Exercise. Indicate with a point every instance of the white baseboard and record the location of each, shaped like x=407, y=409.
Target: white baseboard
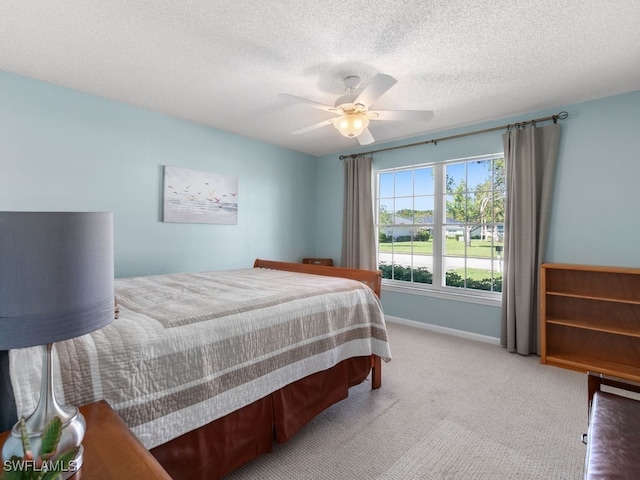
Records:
x=439, y=329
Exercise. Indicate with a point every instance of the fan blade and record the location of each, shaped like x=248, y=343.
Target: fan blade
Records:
x=313, y=127
x=321, y=106
x=365, y=138
x=376, y=88
x=402, y=115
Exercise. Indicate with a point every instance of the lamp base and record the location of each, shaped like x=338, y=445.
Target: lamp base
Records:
x=72, y=434
x=72, y=431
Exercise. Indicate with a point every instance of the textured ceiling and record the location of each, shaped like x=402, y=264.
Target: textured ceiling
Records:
x=223, y=62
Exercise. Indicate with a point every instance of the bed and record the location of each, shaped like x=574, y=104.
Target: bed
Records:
x=220, y=364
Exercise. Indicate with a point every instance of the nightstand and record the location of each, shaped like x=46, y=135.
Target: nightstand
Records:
x=111, y=451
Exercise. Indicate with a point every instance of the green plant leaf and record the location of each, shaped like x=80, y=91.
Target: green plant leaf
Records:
x=52, y=475
x=62, y=464
x=24, y=436
x=69, y=455
x=12, y=474
x=50, y=438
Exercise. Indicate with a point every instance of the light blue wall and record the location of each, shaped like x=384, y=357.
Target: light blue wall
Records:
x=596, y=199
x=595, y=220
x=64, y=150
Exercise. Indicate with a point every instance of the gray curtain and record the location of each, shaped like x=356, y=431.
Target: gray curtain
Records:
x=531, y=156
x=358, y=232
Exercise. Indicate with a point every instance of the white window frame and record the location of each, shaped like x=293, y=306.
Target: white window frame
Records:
x=437, y=288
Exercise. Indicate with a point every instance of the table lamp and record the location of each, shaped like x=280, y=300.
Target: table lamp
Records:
x=56, y=283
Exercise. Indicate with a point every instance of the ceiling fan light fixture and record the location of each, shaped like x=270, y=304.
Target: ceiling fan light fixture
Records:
x=351, y=125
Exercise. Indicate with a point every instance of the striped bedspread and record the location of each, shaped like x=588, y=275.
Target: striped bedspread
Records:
x=189, y=348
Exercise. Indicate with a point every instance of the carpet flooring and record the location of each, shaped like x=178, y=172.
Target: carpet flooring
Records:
x=449, y=408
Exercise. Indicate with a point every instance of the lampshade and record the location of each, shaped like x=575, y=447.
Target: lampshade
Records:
x=56, y=283
x=351, y=124
x=56, y=276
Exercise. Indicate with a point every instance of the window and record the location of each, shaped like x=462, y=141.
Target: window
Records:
x=440, y=226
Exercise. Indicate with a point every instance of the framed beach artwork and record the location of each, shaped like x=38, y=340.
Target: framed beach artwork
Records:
x=192, y=196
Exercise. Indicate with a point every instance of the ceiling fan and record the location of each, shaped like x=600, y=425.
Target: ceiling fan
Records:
x=353, y=110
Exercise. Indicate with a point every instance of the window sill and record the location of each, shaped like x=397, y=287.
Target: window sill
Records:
x=480, y=298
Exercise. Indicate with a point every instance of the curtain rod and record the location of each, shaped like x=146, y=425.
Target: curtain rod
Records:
x=560, y=116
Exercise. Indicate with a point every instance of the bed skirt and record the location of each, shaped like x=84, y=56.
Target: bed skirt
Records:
x=229, y=442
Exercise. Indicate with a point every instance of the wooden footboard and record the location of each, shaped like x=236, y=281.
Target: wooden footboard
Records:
x=372, y=278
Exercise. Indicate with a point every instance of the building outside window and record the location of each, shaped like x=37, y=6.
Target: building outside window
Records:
x=440, y=226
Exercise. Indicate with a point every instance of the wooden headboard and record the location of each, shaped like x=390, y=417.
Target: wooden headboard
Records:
x=372, y=278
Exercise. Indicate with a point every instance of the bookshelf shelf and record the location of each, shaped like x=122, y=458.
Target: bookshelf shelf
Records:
x=590, y=318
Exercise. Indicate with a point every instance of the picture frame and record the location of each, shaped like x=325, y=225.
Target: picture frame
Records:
x=193, y=196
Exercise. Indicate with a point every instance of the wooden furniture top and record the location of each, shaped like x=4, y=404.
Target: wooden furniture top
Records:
x=372, y=278
x=111, y=450
x=319, y=261
x=592, y=268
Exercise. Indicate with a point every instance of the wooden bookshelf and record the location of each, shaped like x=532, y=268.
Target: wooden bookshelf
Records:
x=590, y=318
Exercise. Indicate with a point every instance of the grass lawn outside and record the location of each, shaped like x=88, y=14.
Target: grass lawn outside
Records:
x=476, y=273
x=478, y=248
